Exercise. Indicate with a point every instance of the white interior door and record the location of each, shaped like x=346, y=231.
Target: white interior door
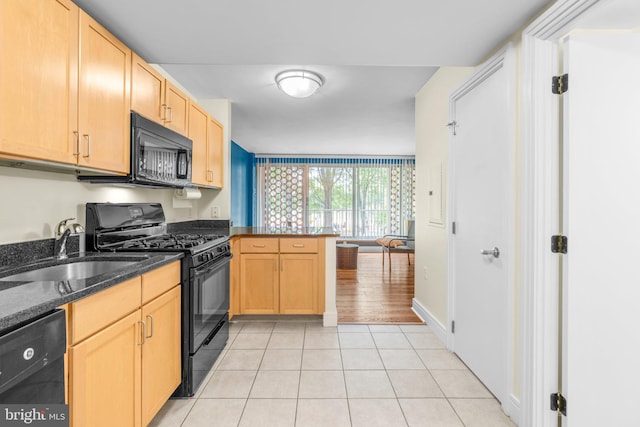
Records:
x=601, y=345
x=481, y=206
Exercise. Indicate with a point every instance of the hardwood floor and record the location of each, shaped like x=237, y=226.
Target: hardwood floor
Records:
x=372, y=294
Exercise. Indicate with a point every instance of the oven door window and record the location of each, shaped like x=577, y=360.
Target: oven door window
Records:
x=209, y=300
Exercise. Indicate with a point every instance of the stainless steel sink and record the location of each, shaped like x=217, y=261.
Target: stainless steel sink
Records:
x=72, y=271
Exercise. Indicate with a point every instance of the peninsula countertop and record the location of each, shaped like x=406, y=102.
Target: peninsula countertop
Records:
x=282, y=232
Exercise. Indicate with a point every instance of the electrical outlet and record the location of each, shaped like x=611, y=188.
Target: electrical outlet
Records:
x=215, y=212
x=425, y=273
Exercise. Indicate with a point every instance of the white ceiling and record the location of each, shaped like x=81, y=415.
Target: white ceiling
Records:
x=375, y=56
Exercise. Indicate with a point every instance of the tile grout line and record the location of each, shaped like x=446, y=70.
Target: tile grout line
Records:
x=344, y=377
x=438, y=385
x=246, y=402
x=295, y=415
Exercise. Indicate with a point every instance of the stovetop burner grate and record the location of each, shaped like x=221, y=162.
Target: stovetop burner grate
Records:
x=171, y=241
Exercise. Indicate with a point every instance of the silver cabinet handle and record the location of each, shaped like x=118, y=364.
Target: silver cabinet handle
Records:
x=143, y=332
x=259, y=246
x=170, y=114
x=86, y=135
x=150, y=317
x=495, y=252
x=298, y=245
x=77, y=134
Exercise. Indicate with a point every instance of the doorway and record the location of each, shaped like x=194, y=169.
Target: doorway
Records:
x=481, y=206
x=373, y=293
x=600, y=146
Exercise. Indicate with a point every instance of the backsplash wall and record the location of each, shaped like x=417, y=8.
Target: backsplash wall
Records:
x=33, y=202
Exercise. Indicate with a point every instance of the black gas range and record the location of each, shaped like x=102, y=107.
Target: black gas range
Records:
x=141, y=227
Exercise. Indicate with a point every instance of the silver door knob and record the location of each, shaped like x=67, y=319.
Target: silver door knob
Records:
x=495, y=252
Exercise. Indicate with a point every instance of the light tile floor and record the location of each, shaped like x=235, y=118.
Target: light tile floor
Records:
x=297, y=373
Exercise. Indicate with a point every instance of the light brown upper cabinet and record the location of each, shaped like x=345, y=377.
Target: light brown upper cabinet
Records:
x=177, y=109
x=215, y=164
x=64, y=81
x=157, y=98
x=198, y=119
x=103, y=98
x=206, y=134
x=39, y=79
x=147, y=90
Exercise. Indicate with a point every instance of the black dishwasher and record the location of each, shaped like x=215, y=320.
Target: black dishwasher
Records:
x=32, y=362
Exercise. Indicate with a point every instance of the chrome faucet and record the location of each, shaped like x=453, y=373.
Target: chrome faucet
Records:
x=63, y=231
x=60, y=248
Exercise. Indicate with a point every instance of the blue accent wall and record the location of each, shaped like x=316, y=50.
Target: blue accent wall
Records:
x=243, y=185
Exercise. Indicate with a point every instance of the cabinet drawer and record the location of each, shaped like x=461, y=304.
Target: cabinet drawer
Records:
x=160, y=280
x=97, y=311
x=257, y=245
x=299, y=245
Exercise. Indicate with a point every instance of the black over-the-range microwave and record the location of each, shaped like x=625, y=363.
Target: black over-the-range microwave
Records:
x=160, y=157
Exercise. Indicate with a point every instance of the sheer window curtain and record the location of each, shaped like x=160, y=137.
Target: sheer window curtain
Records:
x=356, y=197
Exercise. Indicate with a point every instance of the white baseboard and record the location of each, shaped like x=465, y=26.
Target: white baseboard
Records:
x=512, y=408
x=424, y=314
x=330, y=319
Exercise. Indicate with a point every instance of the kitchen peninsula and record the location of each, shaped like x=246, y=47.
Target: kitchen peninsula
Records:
x=284, y=271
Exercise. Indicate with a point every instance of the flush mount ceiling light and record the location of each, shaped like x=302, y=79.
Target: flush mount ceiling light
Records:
x=299, y=83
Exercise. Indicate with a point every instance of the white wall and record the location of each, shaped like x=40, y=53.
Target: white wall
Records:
x=33, y=202
x=432, y=136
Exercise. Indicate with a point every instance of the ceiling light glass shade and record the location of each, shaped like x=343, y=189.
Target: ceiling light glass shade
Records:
x=299, y=83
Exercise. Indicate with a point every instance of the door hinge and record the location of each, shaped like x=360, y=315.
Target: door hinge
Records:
x=453, y=326
x=559, y=244
x=453, y=227
x=559, y=403
x=560, y=84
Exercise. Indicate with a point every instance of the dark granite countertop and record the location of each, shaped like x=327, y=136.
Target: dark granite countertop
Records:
x=24, y=300
x=283, y=232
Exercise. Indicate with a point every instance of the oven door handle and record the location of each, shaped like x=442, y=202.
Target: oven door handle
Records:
x=205, y=268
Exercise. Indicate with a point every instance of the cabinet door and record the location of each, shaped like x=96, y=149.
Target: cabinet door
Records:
x=161, y=369
x=198, y=133
x=215, y=165
x=103, y=100
x=105, y=376
x=259, y=284
x=147, y=90
x=39, y=79
x=298, y=283
x=176, y=116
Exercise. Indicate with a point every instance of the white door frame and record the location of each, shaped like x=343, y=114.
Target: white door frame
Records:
x=540, y=207
x=502, y=59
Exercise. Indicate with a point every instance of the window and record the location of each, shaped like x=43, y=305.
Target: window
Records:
x=359, y=198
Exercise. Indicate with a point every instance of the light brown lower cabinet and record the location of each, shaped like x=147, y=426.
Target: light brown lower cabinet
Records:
x=105, y=376
x=160, y=352
x=259, y=284
x=281, y=276
x=123, y=368
x=299, y=284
